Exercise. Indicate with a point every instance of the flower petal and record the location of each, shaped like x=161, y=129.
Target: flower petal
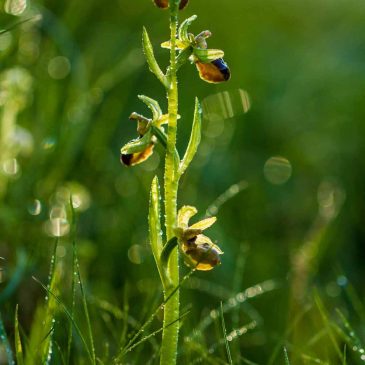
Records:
x=184, y=215
x=204, y=224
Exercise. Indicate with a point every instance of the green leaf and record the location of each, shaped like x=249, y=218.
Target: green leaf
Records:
x=154, y=223
x=194, y=139
x=151, y=60
x=208, y=55
x=183, y=29
x=18, y=342
x=137, y=145
x=153, y=106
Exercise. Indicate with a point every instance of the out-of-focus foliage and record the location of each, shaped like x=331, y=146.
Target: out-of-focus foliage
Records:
x=282, y=148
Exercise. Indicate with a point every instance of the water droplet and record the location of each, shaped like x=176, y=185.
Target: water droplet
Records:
x=277, y=170
x=59, y=67
x=11, y=167
x=135, y=254
x=49, y=143
x=35, y=207
x=342, y=280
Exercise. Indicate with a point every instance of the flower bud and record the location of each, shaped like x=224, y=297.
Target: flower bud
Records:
x=163, y=4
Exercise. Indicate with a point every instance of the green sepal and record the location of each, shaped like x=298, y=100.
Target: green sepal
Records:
x=151, y=60
x=183, y=29
x=155, y=233
x=152, y=105
x=137, y=145
x=194, y=140
x=207, y=55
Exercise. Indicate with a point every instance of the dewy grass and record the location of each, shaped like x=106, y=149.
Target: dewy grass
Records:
x=198, y=251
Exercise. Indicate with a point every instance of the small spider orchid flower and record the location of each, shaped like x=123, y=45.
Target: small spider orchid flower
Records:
x=164, y=4
x=199, y=250
x=209, y=62
x=150, y=131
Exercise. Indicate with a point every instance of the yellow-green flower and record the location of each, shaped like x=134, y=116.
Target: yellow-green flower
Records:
x=141, y=148
x=199, y=250
x=209, y=62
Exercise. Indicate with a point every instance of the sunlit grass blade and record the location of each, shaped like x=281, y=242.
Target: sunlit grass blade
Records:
x=156, y=332
x=195, y=138
x=286, y=357
x=68, y=315
x=5, y=342
x=130, y=343
x=327, y=324
x=151, y=60
x=351, y=337
x=83, y=294
x=229, y=357
x=39, y=347
x=232, y=302
x=18, y=342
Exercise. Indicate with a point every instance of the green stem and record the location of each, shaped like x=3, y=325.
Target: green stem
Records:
x=171, y=310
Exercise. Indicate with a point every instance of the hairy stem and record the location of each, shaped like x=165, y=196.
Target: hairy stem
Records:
x=171, y=309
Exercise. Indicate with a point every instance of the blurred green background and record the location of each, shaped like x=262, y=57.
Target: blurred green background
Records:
x=283, y=139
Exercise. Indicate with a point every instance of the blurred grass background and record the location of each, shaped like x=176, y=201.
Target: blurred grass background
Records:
x=293, y=163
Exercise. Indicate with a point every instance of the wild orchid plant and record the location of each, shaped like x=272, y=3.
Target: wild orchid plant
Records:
x=198, y=251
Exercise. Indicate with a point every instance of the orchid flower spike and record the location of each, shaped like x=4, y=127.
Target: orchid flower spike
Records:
x=199, y=250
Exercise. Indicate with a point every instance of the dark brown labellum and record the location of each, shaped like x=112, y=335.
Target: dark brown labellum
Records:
x=132, y=159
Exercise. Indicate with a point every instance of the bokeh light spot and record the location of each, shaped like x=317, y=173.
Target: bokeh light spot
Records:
x=59, y=67
x=15, y=7
x=11, y=167
x=35, y=207
x=135, y=254
x=277, y=170
x=57, y=227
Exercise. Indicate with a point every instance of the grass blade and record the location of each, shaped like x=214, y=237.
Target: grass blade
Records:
x=286, y=357
x=83, y=295
x=68, y=315
x=18, y=342
x=229, y=357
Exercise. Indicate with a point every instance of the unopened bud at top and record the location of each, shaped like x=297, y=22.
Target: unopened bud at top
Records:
x=165, y=3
